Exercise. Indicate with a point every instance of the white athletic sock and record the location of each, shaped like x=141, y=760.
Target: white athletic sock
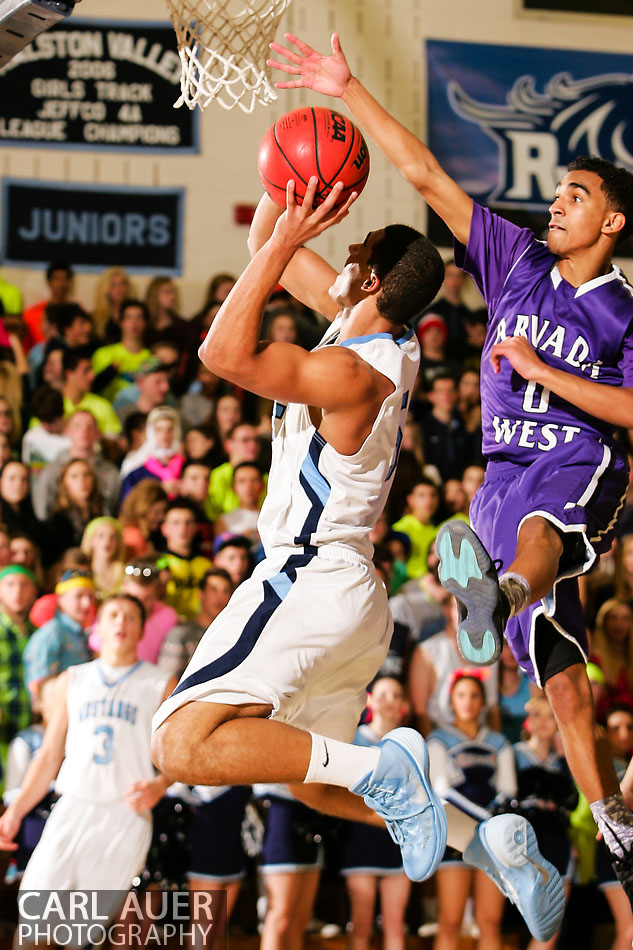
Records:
x=461, y=827
x=339, y=763
x=517, y=591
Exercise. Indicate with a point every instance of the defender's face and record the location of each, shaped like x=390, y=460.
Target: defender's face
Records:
x=346, y=289
x=578, y=213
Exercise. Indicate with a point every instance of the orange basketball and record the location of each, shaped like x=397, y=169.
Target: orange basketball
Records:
x=312, y=141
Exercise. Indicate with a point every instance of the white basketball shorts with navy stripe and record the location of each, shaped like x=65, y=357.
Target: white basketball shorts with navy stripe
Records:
x=305, y=634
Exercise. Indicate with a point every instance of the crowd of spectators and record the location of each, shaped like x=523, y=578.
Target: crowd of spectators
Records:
x=126, y=465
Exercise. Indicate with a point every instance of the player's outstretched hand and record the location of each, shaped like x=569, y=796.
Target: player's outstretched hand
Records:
x=142, y=796
x=522, y=357
x=302, y=222
x=327, y=74
x=9, y=827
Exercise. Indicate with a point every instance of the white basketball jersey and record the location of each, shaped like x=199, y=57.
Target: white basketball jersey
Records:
x=109, y=729
x=316, y=496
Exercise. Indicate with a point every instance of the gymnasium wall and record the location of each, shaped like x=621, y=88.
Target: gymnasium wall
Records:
x=384, y=42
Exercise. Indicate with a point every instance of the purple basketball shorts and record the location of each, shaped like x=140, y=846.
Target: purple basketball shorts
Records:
x=580, y=489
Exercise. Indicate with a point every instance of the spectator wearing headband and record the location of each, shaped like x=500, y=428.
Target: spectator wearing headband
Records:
x=61, y=642
x=18, y=590
x=141, y=579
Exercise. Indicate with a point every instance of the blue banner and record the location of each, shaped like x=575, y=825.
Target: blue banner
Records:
x=94, y=226
x=504, y=121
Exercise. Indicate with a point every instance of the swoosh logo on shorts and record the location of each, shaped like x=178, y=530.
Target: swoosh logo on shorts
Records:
x=327, y=755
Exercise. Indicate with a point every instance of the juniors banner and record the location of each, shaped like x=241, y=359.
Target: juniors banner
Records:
x=94, y=226
x=504, y=121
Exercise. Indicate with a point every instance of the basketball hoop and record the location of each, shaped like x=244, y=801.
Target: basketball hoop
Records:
x=223, y=47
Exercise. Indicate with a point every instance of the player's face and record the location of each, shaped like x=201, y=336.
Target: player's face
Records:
x=578, y=213
x=347, y=288
x=467, y=700
x=120, y=625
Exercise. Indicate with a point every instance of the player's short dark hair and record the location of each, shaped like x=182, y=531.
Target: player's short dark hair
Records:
x=215, y=572
x=133, y=302
x=59, y=266
x=130, y=598
x=74, y=355
x=411, y=272
x=47, y=404
x=617, y=186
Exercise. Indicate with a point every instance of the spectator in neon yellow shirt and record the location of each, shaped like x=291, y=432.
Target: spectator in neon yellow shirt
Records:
x=241, y=445
x=124, y=359
x=78, y=377
x=423, y=501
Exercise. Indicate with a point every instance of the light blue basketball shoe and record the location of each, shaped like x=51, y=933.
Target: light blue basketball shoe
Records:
x=505, y=848
x=400, y=791
x=467, y=572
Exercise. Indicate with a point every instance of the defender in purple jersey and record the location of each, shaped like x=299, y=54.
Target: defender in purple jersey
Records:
x=557, y=380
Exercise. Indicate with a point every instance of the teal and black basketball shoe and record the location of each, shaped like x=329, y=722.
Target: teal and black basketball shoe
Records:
x=467, y=571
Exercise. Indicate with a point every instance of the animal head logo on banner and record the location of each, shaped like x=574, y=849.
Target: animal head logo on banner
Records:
x=539, y=134
x=505, y=121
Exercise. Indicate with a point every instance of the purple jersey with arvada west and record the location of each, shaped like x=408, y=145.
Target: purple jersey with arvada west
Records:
x=586, y=331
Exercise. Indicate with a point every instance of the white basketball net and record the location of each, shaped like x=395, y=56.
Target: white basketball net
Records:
x=223, y=47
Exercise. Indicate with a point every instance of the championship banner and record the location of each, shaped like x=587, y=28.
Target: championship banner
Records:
x=504, y=121
x=94, y=226
x=101, y=85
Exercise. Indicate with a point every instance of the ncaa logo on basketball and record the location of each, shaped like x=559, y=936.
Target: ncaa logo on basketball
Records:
x=539, y=133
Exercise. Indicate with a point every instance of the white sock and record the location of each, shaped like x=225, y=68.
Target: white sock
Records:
x=461, y=827
x=517, y=591
x=339, y=763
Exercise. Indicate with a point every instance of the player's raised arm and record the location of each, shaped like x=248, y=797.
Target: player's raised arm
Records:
x=307, y=276
x=283, y=371
x=331, y=76
x=40, y=772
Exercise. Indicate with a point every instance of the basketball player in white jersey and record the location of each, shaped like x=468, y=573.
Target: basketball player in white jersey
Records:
x=98, y=746
x=276, y=686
